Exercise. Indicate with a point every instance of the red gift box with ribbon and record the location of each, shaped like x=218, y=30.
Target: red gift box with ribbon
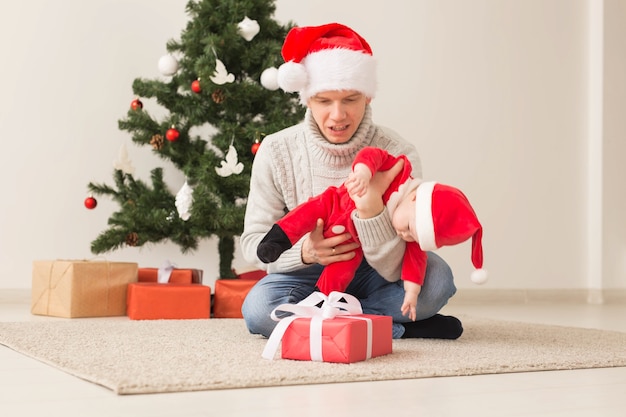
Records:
x=168, y=293
x=343, y=340
x=335, y=332
x=177, y=276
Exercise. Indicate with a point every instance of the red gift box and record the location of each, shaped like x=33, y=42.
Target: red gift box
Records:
x=255, y=274
x=154, y=301
x=344, y=338
x=178, y=276
x=230, y=293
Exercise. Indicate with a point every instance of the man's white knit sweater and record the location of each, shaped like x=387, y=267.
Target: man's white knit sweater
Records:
x=297, y=163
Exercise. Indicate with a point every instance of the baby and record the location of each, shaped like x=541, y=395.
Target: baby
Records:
x=411, y=206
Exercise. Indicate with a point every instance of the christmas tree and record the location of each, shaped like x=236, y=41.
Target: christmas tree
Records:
x=220, y=76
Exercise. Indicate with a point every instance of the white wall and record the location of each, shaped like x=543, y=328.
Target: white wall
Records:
x=614, y=173
x=492, y=92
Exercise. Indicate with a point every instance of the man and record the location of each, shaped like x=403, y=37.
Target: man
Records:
x=334, y=71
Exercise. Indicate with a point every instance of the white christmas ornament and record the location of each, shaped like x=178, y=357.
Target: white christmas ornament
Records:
x=123, y=162
x=184, y=199
x=168, y=65
x=269, y=78
x=248, y=28
x=230, y=165
x=221, y=75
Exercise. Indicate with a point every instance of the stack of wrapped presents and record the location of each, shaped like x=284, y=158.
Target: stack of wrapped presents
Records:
x=320, y=328
x=176, y=294
x=95, y=288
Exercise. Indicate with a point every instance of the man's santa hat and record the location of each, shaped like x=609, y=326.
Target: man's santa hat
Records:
x=444, y=217
x=330, y=57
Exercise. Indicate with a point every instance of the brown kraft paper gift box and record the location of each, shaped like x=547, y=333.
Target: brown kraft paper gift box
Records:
x=80, y=288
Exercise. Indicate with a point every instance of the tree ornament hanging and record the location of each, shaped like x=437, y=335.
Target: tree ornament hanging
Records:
x=195, y=86
x=257, y=142
x=136, y=104
x=172, y=134
x=248, y=28
x=230, y=165
x=123, y=162
x=218, y=96
x=269, y=78
x=168, y=65
x=132, y=239
x=184, y=200
x=90, y=202
x=221, y=74
x=157, y=142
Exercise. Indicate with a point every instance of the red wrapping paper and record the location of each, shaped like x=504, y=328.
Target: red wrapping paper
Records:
x=229, y=296
x=344, y=339
x=154, y=301
x=256, y=274
x=178, y=276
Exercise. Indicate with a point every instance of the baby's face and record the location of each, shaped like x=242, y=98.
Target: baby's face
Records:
x=403, y=219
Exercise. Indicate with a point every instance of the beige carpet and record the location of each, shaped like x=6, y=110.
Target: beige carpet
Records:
x=137, y=357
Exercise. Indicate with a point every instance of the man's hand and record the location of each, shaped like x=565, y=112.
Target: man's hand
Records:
x=371, y=203
x=318, y=249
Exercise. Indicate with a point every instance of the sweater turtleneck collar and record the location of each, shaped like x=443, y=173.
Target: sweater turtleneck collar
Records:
x=338, y=154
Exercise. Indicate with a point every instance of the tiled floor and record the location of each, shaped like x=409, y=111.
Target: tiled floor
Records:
x=31, y=388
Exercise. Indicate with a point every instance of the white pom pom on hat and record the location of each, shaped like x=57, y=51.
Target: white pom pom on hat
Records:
x=292, y=77
x=444, y=217
x=326, y=58
x=479, y=276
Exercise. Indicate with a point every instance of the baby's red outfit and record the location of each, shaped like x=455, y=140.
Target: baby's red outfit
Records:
x=335, y=207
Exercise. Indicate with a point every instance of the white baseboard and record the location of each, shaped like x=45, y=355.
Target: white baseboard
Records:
x=526, y=296
x=14, y=295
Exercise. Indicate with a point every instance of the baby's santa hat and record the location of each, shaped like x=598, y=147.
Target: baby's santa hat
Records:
x=444, y=217
x=330, y=57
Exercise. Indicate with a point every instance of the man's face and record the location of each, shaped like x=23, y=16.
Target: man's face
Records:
x=403, y=219
x=338, y=114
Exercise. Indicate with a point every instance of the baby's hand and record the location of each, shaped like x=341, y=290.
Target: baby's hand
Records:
x=358, y=180
x=409, y=306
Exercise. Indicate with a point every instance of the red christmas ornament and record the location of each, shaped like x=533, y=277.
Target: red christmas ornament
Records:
x=136, y=104
x=255, y=147
x=91, y=203
x=172, y=134
x=195, y=86
x=257, y=142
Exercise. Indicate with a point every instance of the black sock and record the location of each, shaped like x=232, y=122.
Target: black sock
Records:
x=435, y=327
x=273, y=244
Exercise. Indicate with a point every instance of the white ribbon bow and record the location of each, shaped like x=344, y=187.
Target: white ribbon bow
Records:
x=332, y=306
x=164, y=272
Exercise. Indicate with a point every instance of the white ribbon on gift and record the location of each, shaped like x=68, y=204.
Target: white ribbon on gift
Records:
x=331, y=307
x=164, y=272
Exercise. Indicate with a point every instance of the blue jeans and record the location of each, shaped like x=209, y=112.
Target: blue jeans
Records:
x=377, y=295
